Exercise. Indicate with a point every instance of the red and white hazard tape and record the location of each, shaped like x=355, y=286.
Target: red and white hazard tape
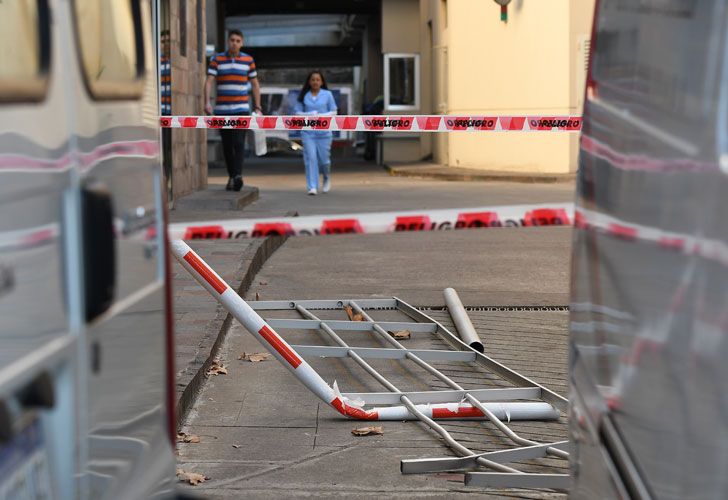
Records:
x=710, y=249
x=289, y=358
x=555, y=214
x=387, y=123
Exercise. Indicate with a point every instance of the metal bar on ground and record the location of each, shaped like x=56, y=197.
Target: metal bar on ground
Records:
x=502, y=370
x=448, y=404
x=381, y=353
x=364, y=326
x=510, y=394
x=426, y=465
x=463, y=325
x=272, y=305
x=414, y=409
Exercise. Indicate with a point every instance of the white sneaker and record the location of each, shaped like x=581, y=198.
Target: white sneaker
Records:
x=312, y=192
x=327, y=185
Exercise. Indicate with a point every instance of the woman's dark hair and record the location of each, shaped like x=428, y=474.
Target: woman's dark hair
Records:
x=307, y=86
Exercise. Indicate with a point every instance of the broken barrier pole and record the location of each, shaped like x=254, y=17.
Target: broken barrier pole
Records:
x=289, y=358
x=463, y=325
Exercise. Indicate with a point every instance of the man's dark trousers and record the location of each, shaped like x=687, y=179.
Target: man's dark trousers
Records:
x=233, y=147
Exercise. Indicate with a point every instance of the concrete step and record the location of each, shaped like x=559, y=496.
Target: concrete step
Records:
x=216, y=198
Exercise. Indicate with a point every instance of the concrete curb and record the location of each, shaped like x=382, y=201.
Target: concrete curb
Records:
x=463, y=174
x=217, y=199
x=224, y=320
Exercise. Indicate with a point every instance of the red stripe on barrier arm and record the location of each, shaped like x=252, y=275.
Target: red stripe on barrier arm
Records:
x=205, y=272
x=354, y=412
x=461, y=412
x=273, y=229
x=277, y=343
x=341, y=226
x=546, y=217
x=165, y=122
x=412, y=223
x=477, y=219
x=204, y=232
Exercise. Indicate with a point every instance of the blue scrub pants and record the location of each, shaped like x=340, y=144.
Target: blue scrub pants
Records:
x=316, y=157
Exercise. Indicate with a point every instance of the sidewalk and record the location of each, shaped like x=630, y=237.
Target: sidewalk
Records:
x=200, y=323
x=264, y=436
x=358, y=186
x=436, y=171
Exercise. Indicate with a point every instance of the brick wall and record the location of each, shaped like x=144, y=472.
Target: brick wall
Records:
x=189, y=146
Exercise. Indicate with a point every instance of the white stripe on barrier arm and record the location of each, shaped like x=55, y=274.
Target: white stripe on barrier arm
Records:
x=545, y=214
x=287, y=356
x=381, y=123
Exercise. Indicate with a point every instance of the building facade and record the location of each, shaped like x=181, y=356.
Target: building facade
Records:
x=460, y=57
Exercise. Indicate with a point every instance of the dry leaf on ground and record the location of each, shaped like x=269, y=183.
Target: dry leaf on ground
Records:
x=401, y=334
x=263, y=282
x=191, y=477
x=254, y=357
x=216, y=369
x=368, y=431
x=236, y=446
x=352, y=316
x=257, y=296
x=183, y=437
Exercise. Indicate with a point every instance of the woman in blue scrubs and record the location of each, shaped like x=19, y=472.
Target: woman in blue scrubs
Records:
x=316, y=99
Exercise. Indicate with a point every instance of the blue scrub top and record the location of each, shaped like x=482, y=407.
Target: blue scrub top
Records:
x=323, y=103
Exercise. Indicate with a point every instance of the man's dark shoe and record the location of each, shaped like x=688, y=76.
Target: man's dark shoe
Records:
x=237, y=183
x=229, y=186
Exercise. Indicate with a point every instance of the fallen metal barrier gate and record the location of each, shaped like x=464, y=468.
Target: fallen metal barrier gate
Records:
x=528, y=400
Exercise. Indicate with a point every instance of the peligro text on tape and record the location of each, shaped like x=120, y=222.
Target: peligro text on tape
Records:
x=553, y=214
x=386, y=123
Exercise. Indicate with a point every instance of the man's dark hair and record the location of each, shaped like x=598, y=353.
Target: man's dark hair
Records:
x=164, y=32
x=236, y=32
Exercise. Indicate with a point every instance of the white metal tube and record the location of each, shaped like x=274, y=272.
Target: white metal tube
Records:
x=463, y=325
x=289, y=358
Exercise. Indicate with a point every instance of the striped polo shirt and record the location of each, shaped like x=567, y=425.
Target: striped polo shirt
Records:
x=232, y=75
x=165, y=86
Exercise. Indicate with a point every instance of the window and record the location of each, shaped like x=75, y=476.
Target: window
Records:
x=200, y=32
x=401, y=81
x=111, y=45
x=183, y=28
x=24, y=49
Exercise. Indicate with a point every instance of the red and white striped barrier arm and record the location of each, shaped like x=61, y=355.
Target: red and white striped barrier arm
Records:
x=289, y=358
x=554, y=214
x=384, y=123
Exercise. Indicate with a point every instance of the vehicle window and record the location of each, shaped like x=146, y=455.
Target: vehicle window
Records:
x=24, y=49
x=111, y=47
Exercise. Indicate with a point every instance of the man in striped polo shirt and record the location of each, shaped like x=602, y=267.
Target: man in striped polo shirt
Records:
x=236, y=78
x=165, y=101
x=165, y=75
